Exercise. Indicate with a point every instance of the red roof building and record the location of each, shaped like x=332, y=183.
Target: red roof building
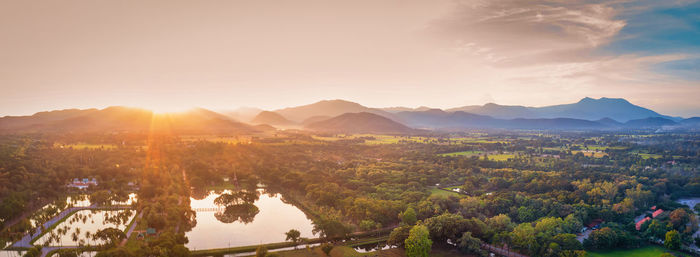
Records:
x=639, y=223
x=657, y=213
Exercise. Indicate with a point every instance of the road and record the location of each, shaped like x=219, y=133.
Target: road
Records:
x=131, y=228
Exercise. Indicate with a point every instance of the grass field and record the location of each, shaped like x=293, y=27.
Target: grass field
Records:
x=493, y=157
x=647, y=251
x=462, y=153
x=591, y=154
x=437, y=191
x=500, y=157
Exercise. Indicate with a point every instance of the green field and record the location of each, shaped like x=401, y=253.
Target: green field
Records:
x=437, y=191
x=462, y=153
x=500, y=157
x=493, y=157
x=647, y=251
x=650, y=156
x=591, y=154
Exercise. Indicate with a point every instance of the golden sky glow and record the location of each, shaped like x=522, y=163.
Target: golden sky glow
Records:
x=173, y=55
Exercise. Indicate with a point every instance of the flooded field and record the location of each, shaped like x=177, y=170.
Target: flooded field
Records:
x=79, y=228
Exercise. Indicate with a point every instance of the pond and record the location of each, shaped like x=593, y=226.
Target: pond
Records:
x=81, y=200
x=80, y=226
x=229, y=219
x=690, y=202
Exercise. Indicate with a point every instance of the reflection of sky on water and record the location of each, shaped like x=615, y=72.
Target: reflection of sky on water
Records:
x=6, y=253
x=132, y=198
x=95, y=221
x=274, y=219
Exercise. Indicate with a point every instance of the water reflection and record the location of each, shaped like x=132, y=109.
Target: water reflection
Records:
x=247, y=217
x=371, y=247
x=81, y=227
x=237, y=206
x=7, y=253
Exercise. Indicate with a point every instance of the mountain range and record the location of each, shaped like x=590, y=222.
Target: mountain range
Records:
x=348, y=117
x=118, y=119
x=586, y=109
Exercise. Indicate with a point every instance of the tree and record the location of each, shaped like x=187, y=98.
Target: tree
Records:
x=567, y=241
x=418, y=243
x=180, y=251
x=571, y=224
x=102, y=197
x=445, y=226
x=656, y=229
x=367, y=225
x=33, y=252
x=293, y=235
x=68, y=254
x=327, y=248
x=398, y=235
x=469, y=244
x=673, y=240
x=408, y=217
x=156, y=220
x=500, y=223
x=330, y=228
x=523, y=237
x=112, y=235
x=679, y=217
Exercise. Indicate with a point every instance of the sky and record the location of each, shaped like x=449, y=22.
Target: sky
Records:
x=221, y=54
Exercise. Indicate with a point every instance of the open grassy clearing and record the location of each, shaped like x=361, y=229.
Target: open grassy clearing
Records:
x=463, y=153
x=591, y=153
x=440, y=192
x=500, y=157
x=647, y=251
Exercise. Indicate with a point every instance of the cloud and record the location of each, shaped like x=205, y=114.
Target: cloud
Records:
x=544, y=50
x=511, y=32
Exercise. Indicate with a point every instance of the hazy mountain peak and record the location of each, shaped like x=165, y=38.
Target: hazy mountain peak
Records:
x=362, y=122
x=271, y=118
x=326, y=108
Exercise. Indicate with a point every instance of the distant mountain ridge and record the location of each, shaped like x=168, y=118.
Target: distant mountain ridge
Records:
x=125, y=119
x=341, y=115
x=586, y=109
x=272, y=118
x=363, y=122
x=329, y=108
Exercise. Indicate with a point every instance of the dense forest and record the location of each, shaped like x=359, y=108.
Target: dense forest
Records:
x=533, y=193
